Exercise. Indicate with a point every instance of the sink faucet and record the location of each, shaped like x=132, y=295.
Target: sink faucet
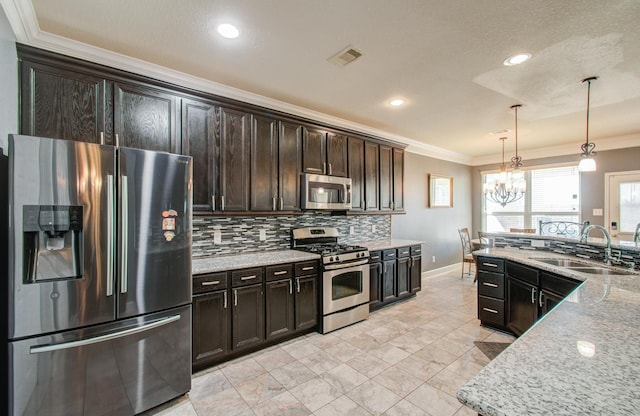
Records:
x=636, y=235
x=607, y=250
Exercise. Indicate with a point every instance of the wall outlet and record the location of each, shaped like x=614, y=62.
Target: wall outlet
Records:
x=263, y=235
x=217, y=237
x=433, y=259
x=538, y=243
x=352, y=230
x=373, y=228
x=597, y=212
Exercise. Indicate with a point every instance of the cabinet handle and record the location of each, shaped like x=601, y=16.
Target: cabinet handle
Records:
x=298, y=284
x=405, y=252
x=365, y=204
x=290, y=287
x=222, y=203
x=489, y=284
x=324, y=167
x=243, y=278
x=329, y=168
x=384, y=268
x=490, y=310
x=117, y=140
x=280, y=273
x=235, y=297
x=225, y=299
x=307, y=268
x=281, y=203
x=540, y=299
x=490, y=264
x=315, y=170
x=375, y=257
x=102, y=137
x=533, y=295
x=380, y=268
x=391, y=255
x=392, y=205
x=213, y=202
x=274, y=203
x=214, y=282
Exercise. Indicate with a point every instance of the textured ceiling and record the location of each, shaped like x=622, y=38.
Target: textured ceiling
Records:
x=443, y=57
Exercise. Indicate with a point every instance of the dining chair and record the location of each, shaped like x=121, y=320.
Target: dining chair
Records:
x=467, y=257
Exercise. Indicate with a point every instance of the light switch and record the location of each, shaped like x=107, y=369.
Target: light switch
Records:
x=597, y=212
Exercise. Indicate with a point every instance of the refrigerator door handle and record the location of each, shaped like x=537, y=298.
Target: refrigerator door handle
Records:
x=124, y=234
x=37, y=349
x=110, y=244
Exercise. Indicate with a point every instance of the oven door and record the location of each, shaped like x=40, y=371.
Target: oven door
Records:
x=345, y=288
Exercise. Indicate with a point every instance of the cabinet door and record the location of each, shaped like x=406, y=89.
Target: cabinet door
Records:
x=210, y=326
x=62, y=104
x=375, y=284
x=386, y=180
x=371, y=163
x=389, y=281
x=398, y=179
x=145, y=118
x=548, y=300
x=306, y=293
x=314, y=148
x=290, y=154
x=264, y=164
x=356, y=172
x=198, y=141
x=337, y=155
x=403, y=274
x=248, y=316
x=280, y=308
x=234, y=134
x=416, y=274
x=522, y=310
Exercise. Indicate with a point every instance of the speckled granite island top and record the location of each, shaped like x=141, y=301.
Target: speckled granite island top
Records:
x=221, y=263
x=387, y=244
x=582, y=358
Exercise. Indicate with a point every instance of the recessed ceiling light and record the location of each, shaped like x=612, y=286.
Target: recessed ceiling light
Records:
x=397, y=102
x=228, y=31
x=517, y=59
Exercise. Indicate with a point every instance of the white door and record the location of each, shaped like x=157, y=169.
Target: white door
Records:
x=622, y=195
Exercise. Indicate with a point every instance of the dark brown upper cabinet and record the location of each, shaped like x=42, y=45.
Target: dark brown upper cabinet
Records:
x=290, y=165
x=63, y=104
x=386, y=178
x=337, y=155
x=314, y=148
x=264, y=164
x=356, y=172
x=371, y=176
x=398, y=179
x=233, y=132
x=198, y=141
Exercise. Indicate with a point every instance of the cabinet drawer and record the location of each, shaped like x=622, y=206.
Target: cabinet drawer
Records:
x=491, y=265
x=282, y=271
x=404, y=251
x=523, y=273
x=246, y=277
x=375, y=256
x=389, y=254
x=491, y=310
x=491, y=284
x=557, y=284
x=306, y=268
x=416, y=250
x=209, y=282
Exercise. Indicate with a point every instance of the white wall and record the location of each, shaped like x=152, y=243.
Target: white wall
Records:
x=8, y=81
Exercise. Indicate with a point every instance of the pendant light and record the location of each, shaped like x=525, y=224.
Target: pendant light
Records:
x=517, y=175
x=502, y=190
x=588, y=163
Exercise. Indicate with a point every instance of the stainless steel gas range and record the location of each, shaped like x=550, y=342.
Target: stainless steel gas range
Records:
x=345, y=276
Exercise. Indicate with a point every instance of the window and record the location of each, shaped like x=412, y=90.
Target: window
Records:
x=553, y=194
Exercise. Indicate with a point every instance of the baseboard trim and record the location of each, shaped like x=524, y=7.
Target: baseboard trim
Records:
x=442, y=270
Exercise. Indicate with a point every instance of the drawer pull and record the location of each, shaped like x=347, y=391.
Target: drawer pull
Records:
x=490, y=264
x=391, y=255
x=215, y=282
x=404, y=252
x=307, y=268
x=280, y=273
x=253, y=276
x=490, y=310
x=489, y=284
x=375, y=257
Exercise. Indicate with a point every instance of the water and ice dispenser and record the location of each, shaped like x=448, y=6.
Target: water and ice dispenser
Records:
x=52, y=242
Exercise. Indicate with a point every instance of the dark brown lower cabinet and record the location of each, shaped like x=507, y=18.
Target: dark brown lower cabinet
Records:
x=306, y=302
x=375, y=280
x=416, y=274
x=248, y=316
x=280, y=308
x=210, y=326
x=389, y=281
x=522, y=313
x=404, y=276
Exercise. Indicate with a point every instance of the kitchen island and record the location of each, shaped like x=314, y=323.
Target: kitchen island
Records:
x=583, y=357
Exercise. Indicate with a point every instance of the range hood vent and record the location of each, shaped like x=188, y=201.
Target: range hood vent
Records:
x=345, y=56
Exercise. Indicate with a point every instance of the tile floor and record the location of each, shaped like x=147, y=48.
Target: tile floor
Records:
x=406, y=359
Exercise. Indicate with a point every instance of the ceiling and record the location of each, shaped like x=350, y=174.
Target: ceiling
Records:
x=443, y=57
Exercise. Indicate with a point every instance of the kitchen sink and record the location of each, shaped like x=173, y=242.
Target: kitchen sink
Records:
x=562, y=262
x=600, y=270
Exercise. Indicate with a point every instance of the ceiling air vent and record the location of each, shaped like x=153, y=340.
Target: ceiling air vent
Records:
x=345, y=56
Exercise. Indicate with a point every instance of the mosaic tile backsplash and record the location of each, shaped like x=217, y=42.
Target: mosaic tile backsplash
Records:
x=242, y=234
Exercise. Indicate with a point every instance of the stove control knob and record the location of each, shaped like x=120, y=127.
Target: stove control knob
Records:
x=337, y=258
x=330, y=259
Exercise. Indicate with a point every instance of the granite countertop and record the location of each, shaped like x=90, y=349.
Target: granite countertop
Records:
x=386, y=244
x=583, y=357
x=220, y=263
x=616, y=243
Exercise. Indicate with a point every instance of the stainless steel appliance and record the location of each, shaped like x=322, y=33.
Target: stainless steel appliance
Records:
x=345, y=276
x=325, y=192
x=99, y=313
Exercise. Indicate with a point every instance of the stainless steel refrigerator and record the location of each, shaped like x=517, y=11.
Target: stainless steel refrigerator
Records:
x=99, y=291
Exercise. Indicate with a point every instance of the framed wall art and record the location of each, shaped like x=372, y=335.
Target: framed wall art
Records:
x=440, y=191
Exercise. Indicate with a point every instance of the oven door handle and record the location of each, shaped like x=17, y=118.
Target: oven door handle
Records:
x=345, y=265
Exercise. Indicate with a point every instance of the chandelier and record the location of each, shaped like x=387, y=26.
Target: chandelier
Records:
x=510, y=185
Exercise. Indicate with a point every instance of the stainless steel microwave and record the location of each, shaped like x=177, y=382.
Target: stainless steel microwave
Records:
x=325, y=192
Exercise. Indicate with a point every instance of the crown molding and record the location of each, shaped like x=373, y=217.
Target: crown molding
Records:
x=24, y=24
